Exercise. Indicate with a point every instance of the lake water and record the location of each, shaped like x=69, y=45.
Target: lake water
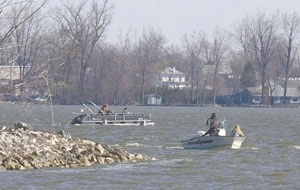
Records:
x=268, y=159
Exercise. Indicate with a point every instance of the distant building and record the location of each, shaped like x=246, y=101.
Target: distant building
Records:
x=252, y=95
x=172, y=78
x=292, y=96
x=8, y=74
x=153, y=99
x=256, y=94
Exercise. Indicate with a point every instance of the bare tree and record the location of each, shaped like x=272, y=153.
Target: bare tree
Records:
x=237, y=65
x=288, y=45
x=101, y=74
x=15, y=16
x=24, y=11
x=27, y=38
x=274, y=73
x=219, y=49
x=63, y=51
x=84, y=27
x=150, y=49
x=121, y=67
x=259, y=41
x=193, y=45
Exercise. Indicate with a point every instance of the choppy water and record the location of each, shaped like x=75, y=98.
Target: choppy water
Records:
x=268, y=159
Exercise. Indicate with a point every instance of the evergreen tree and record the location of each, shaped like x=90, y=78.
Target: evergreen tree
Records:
x=248, y=78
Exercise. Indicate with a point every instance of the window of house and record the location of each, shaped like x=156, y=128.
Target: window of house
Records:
x=276, y=100
x=294, y=100
x=256, y=99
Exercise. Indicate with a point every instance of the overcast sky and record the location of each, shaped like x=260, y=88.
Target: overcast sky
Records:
x=178, y=17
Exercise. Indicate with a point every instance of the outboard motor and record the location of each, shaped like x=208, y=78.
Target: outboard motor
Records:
x=78, y=119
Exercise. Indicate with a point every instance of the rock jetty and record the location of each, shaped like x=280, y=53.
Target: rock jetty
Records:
x=22, y=148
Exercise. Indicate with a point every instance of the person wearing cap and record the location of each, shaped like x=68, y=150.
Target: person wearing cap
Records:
x=237, y=131
x=125, y=111
x=213, y=124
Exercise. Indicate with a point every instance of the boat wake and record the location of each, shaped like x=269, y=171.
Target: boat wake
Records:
x=171, y=162
x=73, y=170
x=175, y=147
x=119, y=167
x=137, y=138
x=297, y=147
x=145, y=165
x=141, y=145
x=288, y=145
x=152, y=146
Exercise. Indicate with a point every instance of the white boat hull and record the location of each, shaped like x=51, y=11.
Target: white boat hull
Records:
x=206, y=142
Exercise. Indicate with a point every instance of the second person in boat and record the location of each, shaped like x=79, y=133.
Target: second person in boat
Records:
x=125, y=111
x=237, y=132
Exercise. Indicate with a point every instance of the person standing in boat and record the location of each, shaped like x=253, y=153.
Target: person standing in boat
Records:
x=213, y=124
x=237, y=132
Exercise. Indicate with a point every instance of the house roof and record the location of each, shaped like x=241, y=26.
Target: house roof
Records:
x=152, y=96
x=279, y=91
x=292, y=92
x=171, y=71
x=255, y=90
x=293, y=82
x=223, y=69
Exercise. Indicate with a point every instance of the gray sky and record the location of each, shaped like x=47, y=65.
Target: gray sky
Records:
x=178, y=17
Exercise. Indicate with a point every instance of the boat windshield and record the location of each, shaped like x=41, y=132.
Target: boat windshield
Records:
x=223, y=124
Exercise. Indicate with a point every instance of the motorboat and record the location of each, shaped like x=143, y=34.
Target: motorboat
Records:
x=218, y=140
x=90, y=116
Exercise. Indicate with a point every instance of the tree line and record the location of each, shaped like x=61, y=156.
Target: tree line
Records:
x=63, y=50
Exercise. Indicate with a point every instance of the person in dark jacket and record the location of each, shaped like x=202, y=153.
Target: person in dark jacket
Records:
x=125, y=111
x=213, y=124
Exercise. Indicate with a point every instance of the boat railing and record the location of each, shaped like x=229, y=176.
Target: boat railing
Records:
x=121, y=116
x=88, y=109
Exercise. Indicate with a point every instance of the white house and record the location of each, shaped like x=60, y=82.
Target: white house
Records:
x=172, y=78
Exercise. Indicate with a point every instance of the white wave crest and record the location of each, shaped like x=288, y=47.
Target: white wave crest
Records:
x=175, y=147
x=119, y=167
x=142, y=145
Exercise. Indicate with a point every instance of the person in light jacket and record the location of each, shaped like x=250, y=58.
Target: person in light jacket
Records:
x=237, y=131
